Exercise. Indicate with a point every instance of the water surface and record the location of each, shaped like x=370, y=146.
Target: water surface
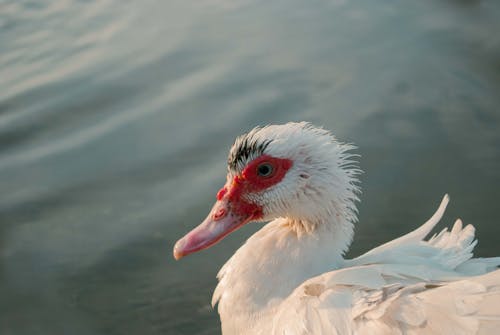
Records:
x=116, y=118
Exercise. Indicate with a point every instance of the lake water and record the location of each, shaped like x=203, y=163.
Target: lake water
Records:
x=116, y=118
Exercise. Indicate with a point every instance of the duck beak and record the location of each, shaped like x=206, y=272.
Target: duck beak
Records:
x=225, y=217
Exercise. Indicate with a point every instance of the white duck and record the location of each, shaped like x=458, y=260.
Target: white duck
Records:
x=291, y=278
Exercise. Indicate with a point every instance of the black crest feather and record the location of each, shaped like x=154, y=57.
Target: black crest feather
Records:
x=245, y=146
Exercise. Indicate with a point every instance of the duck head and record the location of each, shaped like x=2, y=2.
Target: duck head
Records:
x=294, y=170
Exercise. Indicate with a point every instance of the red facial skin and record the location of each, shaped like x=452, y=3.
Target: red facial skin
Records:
x=250, y=181
x=231, y=211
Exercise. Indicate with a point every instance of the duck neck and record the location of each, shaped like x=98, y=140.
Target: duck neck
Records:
x=277, y=259
x=334, y=231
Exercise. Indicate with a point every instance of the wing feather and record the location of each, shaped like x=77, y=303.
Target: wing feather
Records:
x=450, y=250
x=462, y=307
x=417, y=234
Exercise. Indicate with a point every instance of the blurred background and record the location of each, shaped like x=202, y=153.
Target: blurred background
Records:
x=116, y=118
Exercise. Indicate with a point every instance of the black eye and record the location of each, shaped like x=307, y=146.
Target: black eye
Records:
x=265, y=170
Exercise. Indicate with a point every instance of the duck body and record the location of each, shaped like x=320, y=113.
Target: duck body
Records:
x=290, y=277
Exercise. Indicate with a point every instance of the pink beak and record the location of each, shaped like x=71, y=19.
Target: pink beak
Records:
x=225, y=217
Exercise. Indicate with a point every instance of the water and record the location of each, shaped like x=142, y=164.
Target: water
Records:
x=116, y=117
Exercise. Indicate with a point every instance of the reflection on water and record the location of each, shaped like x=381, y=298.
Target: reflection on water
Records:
x=116, y=116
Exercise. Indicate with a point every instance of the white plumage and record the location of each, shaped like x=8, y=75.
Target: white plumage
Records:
x=291, y=278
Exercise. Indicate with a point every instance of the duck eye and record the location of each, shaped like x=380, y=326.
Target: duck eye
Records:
x=265, y=170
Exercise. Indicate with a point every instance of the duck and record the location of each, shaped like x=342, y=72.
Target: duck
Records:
x=292, y=277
